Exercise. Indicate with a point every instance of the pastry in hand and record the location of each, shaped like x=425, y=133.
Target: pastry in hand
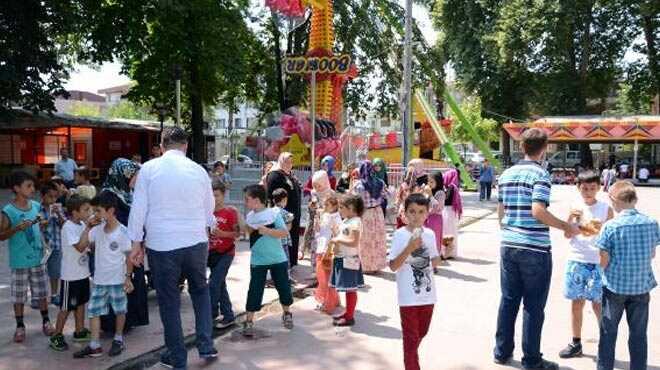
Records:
x=447, y=240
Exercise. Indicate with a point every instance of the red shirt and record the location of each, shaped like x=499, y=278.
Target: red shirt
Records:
x=226, y=220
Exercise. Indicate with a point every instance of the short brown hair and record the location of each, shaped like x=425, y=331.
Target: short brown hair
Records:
x=174, y=136
x=623, y=191
x=354, y=202
x=534, y=140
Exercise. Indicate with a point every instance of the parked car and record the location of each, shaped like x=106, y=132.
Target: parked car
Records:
x=240, y=159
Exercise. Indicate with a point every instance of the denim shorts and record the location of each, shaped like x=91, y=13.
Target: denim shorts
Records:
x=583, y=281
x=54, y=264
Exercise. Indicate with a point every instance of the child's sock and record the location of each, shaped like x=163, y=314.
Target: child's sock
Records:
x=44, y=316
x=94, y=344
x=19, y=322
x=577, y=340
x=351, y=302
x=119, y=337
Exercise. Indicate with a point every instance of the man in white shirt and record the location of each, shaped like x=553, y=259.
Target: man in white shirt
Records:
x=65, y=167
x=173, y=202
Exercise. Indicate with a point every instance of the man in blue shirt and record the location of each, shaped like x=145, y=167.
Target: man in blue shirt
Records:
x=65, y=167
x=486, y=177
x=627, y=246
x=526, y=261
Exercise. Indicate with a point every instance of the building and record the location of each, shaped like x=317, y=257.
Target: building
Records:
x=33, y=142
x=64, y=105
x=115, y=94
x=227, y=134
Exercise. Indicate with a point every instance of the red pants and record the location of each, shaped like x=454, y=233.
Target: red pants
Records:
x=415, y=321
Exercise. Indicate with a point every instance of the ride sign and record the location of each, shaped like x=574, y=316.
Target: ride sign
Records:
x=303, y=65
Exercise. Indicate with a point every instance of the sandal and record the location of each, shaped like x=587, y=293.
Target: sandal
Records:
x=19, y=335
x=344, y=322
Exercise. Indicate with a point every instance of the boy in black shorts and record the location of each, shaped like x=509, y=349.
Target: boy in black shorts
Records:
x=74, y=285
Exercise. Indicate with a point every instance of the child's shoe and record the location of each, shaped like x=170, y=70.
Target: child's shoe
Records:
x=19, y=335
x=88, y=352
x=116, y=348
x=248, y=329
x=83, y=336
x=287, y=320
x=48, y=329
x=58, y=343
x=572, y=350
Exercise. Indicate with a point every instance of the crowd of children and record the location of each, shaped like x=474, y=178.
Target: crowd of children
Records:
x=50, y=243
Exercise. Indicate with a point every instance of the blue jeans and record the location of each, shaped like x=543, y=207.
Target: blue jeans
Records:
x=524, y=275
x=218, y=288
x=485, y=188
x=167, y=268
x=637, y=315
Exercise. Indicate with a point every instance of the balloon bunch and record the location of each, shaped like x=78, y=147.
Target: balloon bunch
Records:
x=290, y=8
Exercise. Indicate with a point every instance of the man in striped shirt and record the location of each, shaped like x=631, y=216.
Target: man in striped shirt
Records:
x=526, y=261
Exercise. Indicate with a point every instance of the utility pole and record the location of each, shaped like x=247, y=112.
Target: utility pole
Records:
x=177, y=92
x=406, y=111
x=312, y=113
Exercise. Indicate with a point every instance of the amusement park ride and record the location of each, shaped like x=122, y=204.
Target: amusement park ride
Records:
x=328, y=73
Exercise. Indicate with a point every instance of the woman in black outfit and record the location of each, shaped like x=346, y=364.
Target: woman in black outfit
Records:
x=120, y=180
x=282, y=177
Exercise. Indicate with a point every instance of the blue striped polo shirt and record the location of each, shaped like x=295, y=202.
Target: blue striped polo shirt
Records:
x=518, y=187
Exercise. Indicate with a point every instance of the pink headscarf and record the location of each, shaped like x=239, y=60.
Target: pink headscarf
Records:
x=450, y=179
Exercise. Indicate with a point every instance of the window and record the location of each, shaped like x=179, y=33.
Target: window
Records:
x=222, y=123
x=238, y=123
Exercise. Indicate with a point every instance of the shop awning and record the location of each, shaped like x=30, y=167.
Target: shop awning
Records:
x=27, y=120
x=593, y=128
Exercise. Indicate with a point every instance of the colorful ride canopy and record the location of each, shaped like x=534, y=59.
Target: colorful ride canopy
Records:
x=593, y=128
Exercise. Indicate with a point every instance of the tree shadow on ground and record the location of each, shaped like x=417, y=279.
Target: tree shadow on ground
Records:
x=369, y=324
x=623, y=365
x=474, y=261
x=454, y=275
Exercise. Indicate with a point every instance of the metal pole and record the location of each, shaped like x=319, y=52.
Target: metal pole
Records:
x=178, y=102
x=312, y=114
x=636, y=149
x=406, y=124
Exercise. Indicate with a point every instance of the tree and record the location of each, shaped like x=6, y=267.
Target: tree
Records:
x=208, y=39
x=35, y=39
x=487, y=128
x=129, y=110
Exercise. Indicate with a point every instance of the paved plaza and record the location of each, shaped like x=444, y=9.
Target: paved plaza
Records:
x=461, y=334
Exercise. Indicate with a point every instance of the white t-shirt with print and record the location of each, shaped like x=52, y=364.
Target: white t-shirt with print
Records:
x=583, y=248
x=110, y=254
x=414, y=279
x=329, y=222
x=75, y=265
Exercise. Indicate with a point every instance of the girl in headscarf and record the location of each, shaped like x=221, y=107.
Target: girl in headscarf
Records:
x=452, y=213
x=281, y=176
x=120, y=181
x=380, y=167
x=413, y=182
x=327, y=165
x=372, y=243
x=321, y=190
x=435, y=191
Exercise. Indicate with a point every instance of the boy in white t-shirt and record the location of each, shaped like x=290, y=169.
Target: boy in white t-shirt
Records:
x=112, y=274
x=583, y=279
x=74, y=275
x=413, y=256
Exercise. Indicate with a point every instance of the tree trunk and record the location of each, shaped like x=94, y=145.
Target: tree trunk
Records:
x=583, y=72
x=198, y=141
x=278, y=60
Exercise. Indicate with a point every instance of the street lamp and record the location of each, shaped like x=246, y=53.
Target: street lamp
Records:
x=161, y=110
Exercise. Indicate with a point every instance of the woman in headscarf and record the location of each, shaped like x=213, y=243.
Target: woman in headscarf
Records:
x=372, y=248
x=327, y=165
x=380, y=167
x=120, y=181
x=452, y=213
x=281, y=176
x=321, y=191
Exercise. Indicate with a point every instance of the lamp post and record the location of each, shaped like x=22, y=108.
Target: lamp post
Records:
x=177, y=92
x=160, y=110
x=406, y=112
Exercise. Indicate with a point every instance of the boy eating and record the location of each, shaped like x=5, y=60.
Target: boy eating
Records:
x=627, y=246
x=413, y=257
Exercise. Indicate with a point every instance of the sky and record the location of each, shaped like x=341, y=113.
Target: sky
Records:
x=92, y=79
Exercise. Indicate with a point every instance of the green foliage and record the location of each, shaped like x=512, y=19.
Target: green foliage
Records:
x=630, y=102
x=487, y=128
x=33, y=36
x=84, y=109
x=130, y=110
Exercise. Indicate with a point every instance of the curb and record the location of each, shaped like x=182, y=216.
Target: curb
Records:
x=152, y=357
